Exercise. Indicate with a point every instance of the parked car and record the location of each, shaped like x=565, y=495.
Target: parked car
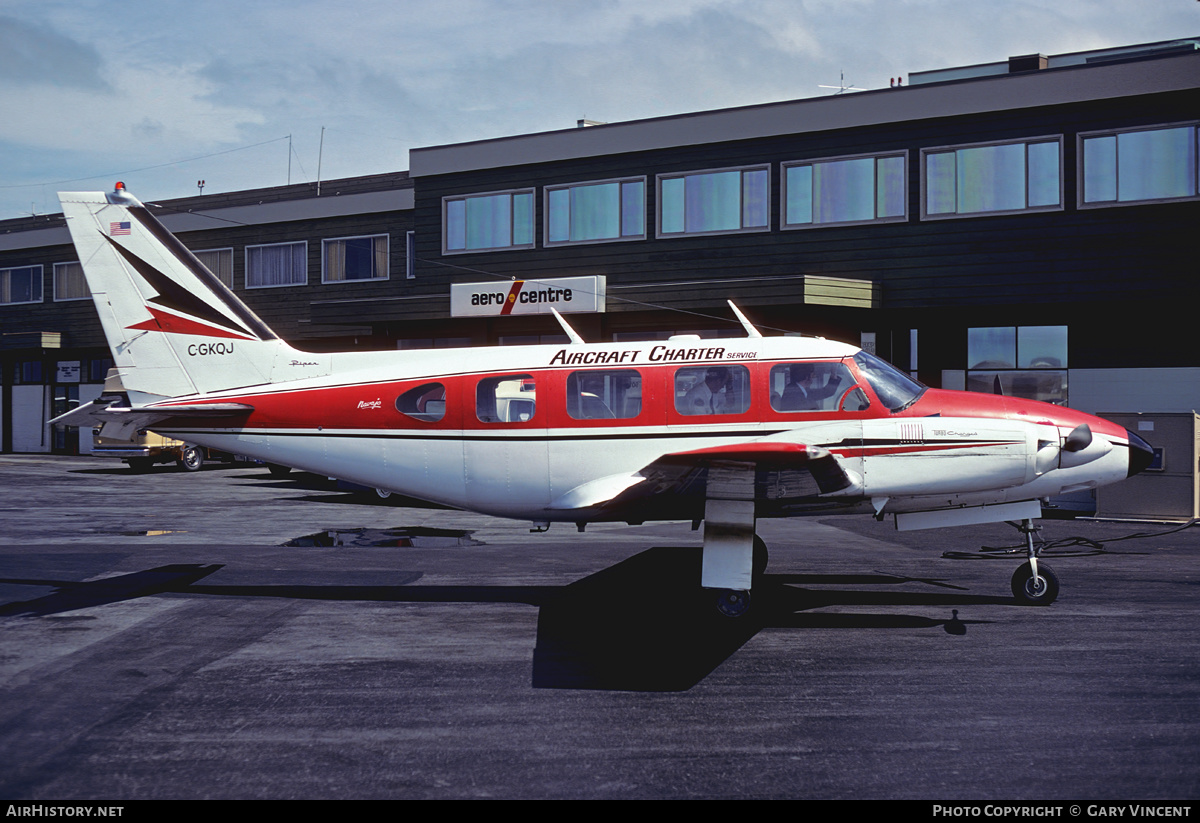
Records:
x=147, y=448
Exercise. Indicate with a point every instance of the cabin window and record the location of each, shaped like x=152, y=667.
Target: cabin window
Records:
x=1139, y=166
x=508, y=399
x=219, y=262
x=69, y=282
x=426, y=402
x=596, y=212
x=714, y=202
x=712, y=390
x=21, y=285
x=996, y=178
x=354, y=258
x=612, y=394
x=809, y=386
x=280, y=264
x=844, y=190
x=483, y=222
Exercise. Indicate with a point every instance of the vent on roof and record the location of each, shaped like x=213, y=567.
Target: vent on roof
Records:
x=1027, y=62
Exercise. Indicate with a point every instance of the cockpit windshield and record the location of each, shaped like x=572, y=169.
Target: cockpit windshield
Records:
x=895, y=389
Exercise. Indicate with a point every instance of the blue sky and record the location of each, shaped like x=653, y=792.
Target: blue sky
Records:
x=161, y=94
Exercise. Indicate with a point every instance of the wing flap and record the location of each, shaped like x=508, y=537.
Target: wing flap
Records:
x=776, y=465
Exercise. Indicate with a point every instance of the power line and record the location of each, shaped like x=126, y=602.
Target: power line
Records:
x=144, y=168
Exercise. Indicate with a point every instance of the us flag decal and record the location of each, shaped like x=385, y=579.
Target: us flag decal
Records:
x=118, y=228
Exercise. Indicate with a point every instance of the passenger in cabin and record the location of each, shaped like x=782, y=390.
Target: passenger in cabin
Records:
x=709, y=396
x=809, y=386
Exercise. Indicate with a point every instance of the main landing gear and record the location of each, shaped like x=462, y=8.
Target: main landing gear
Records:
x=1034, y=583
x=736, y=602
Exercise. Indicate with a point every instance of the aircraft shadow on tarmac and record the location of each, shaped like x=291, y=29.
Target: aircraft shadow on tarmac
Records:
x=643, y=624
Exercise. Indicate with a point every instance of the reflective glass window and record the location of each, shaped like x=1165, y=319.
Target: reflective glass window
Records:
x=716, y=201
x=992, y=348
x=591, y=212
x=1132, y=166
x=1019, y=361
x=995, y=178
x=608, y=394
x=850, y=190
x=488, y=221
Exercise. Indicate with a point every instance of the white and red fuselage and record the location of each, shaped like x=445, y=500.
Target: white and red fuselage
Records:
x=942, y=449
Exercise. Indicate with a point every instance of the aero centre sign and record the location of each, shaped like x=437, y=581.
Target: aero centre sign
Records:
x=501, y=297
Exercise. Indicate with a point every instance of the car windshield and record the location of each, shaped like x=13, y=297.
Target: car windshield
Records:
x=895, y=389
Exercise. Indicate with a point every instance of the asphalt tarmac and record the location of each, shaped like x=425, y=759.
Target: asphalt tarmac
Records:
x=229, y=634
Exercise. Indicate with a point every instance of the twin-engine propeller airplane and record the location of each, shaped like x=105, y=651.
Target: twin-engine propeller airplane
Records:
x=719, y=431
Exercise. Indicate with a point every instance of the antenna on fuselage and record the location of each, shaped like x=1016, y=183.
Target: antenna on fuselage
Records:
x=576, y=340
x=746, y=324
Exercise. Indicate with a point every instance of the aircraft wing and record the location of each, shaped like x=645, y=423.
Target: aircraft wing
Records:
x=127, y=419
x=784, y=473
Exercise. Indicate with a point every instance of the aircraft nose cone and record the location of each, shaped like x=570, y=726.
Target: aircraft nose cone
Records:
x=1141, y=453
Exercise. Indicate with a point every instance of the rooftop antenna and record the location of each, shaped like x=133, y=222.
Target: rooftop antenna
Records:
x=320, y=154
x=843, y=88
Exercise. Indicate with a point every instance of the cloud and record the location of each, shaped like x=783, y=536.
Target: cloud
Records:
x=35, y=54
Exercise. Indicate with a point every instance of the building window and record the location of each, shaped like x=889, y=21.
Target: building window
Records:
x=1019, y=361
x=1139, y=166
x=21, y=285
x=219, y=262
x=69, y=282
x=98, y=369
x=844, y=190
x=355, y=258
x=410, y=255
x=1006, y=177
x=714, y=202
x=479, y=222
x=281, y=264
x=595, y=212
x=28, y=371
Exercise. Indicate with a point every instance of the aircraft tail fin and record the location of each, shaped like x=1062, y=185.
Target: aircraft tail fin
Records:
x=173, y=327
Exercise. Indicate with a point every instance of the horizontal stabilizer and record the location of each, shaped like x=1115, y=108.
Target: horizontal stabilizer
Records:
x=128, y=419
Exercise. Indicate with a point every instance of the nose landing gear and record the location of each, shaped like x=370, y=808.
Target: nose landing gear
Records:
x=1034, y=583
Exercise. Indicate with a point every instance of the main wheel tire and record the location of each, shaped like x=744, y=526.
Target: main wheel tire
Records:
x=759, y=563
x=733, y=602
x=191, y=459
x=1035, y=591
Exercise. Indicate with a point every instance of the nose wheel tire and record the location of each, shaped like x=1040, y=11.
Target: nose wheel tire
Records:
x=1031, y=590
